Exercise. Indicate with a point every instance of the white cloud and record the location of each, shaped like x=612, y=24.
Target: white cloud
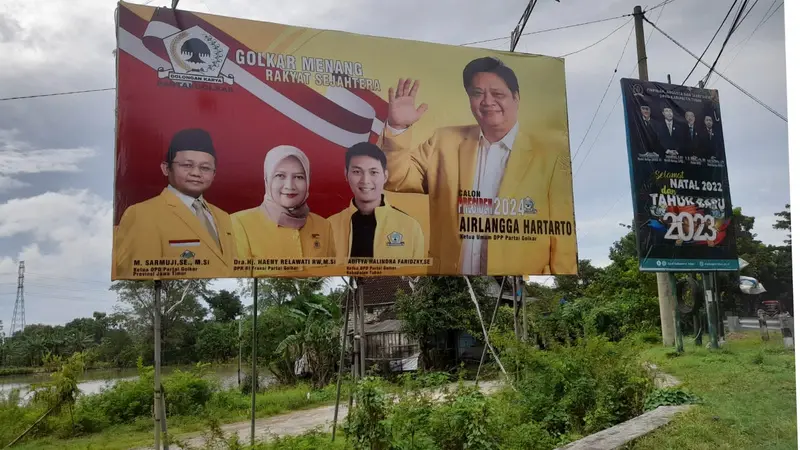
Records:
x=18, y=157
x=76, y=229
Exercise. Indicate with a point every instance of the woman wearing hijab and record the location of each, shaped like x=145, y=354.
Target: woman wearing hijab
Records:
x=282, y=226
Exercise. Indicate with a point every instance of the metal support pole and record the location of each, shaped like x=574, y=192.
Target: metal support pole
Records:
x=514, y=287
x=522, y=287
x=157, y=417
x=239, y=365
x=712, y=322
x=363, y=343
x=254, y=377
x=491, y=324
x=341, y=363
x=717, y=308
x=678, y=333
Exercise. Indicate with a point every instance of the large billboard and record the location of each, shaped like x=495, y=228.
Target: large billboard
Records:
x=253, y=149
x=679, y=178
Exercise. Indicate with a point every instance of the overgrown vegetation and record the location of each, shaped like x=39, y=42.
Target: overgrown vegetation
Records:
x=557, y=395
x=125, y=409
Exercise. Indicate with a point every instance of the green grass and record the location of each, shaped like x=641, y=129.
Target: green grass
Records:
x=747, y=392
x=226, y=407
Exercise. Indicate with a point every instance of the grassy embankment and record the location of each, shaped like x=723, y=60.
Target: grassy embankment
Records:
x=747, y=389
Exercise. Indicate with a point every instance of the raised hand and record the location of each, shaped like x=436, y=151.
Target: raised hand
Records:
x=402, y=111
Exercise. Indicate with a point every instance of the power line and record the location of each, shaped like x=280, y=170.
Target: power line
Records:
x=564, y=27
x=619, y=96
x=733, y=5
x=601, y=40
x=725, y=42
x=746, y=14
x=611, y=80
x=743, y=43
x=547, y=30
x=23, y=97
x=753, y=97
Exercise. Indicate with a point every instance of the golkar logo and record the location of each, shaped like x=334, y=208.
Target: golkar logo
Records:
x=196, y=56
x=395, y=239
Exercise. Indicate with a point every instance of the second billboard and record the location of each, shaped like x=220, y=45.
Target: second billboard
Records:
x=679, y=178
x=252, y=149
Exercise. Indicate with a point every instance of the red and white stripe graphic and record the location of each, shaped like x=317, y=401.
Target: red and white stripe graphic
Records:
x=341, y=116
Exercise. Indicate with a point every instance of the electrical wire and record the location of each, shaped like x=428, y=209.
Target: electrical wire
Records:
x=23, y=97
x=719, y=28
x=547, y=30
x=743, y=43
x=611, y=80
x=725, y=42
x=741, y=89
x=601, y=40
x=564, y=27
x=746, y=14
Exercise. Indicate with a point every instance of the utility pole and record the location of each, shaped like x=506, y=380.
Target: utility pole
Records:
x=666, y=295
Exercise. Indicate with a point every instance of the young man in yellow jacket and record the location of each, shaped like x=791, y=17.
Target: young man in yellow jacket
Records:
x=495, y=159
x=178, y=224
x=370, y=227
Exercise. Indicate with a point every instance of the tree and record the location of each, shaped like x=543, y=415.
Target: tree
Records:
x=315, y=339
x=625, y=248
x=276, y=291
x=784, y=222
x=439, y=305
x=180, y=311
x=225, y=306
x=217, y=341
x=572, y=287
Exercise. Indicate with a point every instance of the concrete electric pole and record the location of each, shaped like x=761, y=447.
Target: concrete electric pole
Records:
x=666, y=297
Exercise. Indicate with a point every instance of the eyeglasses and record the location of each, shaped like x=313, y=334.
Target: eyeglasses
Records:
x=204, y=169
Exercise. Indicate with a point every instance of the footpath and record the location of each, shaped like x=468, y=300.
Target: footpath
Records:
x=297, y=422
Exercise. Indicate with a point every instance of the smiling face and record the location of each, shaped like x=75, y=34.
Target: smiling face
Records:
x=288, y=185
x=366, y=178
x=492, y=102
x=667, y=113
x=191, y=172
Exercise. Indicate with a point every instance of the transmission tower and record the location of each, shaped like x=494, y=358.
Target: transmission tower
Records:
x=18, y=321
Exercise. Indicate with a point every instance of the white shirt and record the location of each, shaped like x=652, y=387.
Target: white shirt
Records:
x=669, y=127
x=189, y=200
x=489, y=170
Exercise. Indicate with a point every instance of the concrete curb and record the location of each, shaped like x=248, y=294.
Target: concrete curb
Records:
x=621, y=434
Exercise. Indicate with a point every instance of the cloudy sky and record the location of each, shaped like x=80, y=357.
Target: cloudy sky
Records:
x=56, y=153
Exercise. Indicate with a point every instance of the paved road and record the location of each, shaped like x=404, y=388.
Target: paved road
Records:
x=297, y=422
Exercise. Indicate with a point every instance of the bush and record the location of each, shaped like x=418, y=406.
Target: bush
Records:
x=465, y=421
x=186, y=393
x=582, y=388
x=365, y=426
x=668, y=397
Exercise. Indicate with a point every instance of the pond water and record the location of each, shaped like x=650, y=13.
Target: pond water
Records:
x=94, y=381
